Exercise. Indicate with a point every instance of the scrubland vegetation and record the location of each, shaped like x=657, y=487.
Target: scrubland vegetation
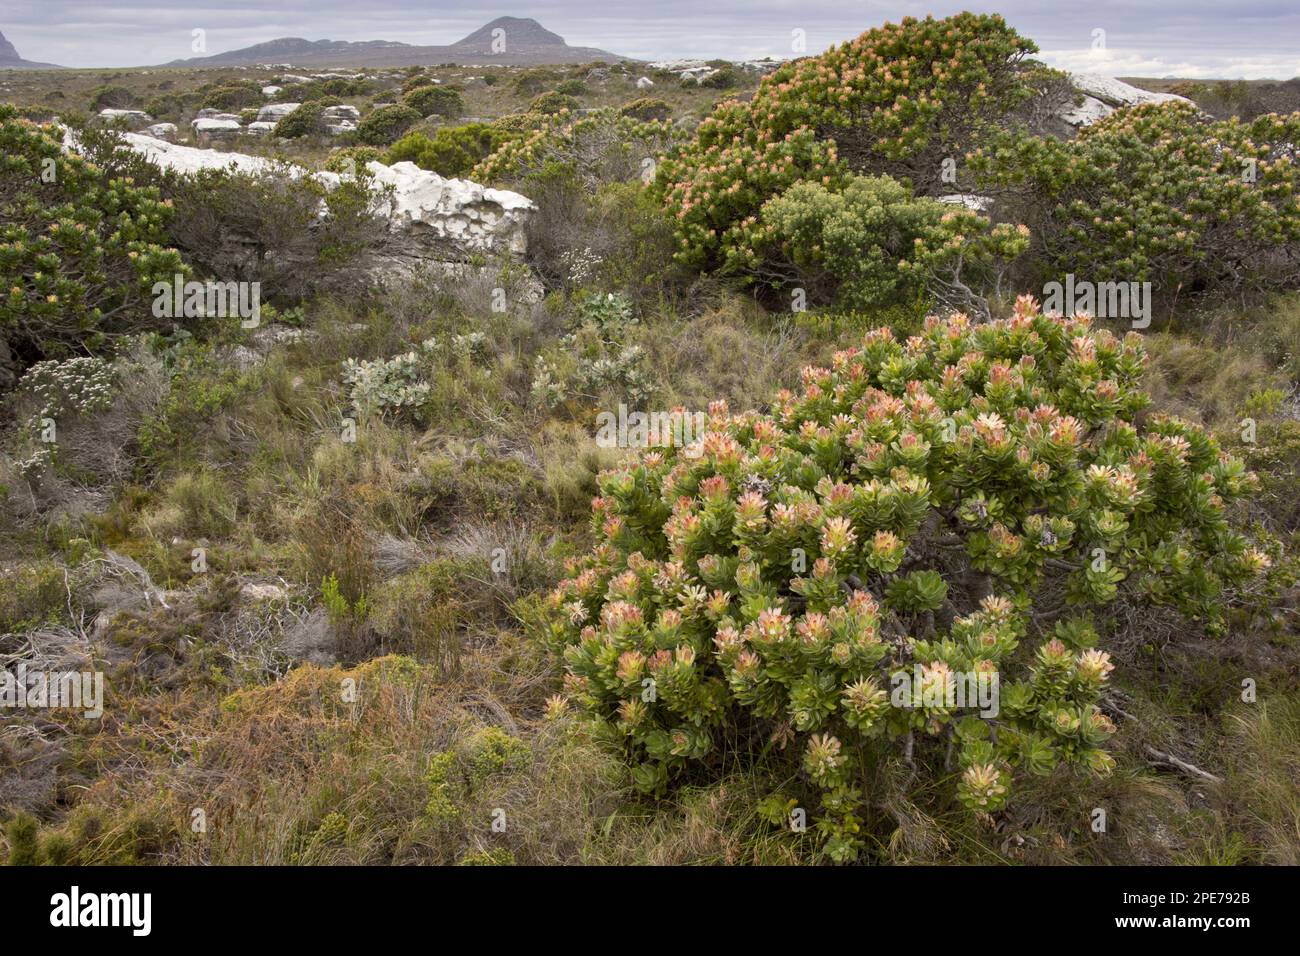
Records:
x=366, y=589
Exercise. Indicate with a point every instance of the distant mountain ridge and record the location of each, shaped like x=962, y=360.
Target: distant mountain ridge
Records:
x=10, y=60
x=515, y=41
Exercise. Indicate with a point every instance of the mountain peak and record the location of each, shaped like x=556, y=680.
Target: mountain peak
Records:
x=10, y=60
x=521, y=32
x=7, y=51
x=526, y=43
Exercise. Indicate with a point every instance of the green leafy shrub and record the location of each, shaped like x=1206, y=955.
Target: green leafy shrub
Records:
x=351, y=159
x=306, y=120
x=873, y=244
x=435, y=101
x=600, y=147
x=926, y=509
x=296, y=234
x=532, y=82
x=79, y=250
x=231, y=98
x=1159, y=193
x=31, y=595
x=897, y=101
x=451, y=150
x=111, y=98
x=646, y=109
x=382, y=126
x=722, y=78
x=552, y=103
x=594, y=360
x=394, y=386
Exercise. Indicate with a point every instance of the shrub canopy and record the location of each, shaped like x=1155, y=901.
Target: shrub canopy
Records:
x=1158, y=193
x=929, y=506
x=79, y=250
x=898, y=100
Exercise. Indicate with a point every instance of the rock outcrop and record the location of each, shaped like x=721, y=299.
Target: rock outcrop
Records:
x=430, y=218
x=455, y=212
x=1102, y=95
x=131, y=119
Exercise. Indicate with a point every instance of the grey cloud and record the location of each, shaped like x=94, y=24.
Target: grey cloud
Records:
x=1189, y=37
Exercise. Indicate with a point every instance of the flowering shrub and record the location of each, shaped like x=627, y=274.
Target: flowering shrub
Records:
x=602, y=146
x=873, y=243
x=898, y=100
x=76, y=386
x=929, y=506
x=79, y=252
x=1159, y=193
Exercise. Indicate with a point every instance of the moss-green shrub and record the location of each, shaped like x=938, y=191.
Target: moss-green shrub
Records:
x=549, y=104
x=916, y=510
x=385, y=124
x=31, y=595
x=874, y=244
x=111, y=97
x=451, y=150
x=306, y=120
x=352, y=159
x=646, y=109
x=231, y=98
x=435, y=101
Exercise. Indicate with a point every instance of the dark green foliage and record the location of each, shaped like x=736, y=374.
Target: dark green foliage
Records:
x=386, y=124
x=451, y=150
x=79, y=250
x=435, y=101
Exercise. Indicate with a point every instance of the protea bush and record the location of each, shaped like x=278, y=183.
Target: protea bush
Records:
x=601, y=146
x=1159, y=193
x=897, y=101
x=959, y=503
x=79, y=249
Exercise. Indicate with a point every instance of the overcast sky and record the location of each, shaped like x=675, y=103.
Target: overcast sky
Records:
x=1192, y=38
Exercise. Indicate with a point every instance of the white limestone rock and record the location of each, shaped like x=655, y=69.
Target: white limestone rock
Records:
x=1102, y=95
x=469, y=216
x=1087, y=112
x=274, y=112
x=644, y=83
x=210, y=129
x=134, y=119
x=1117, y=93
x=971, y=201
x=341, y=113
x=164, y=131
x=429, y=217
x=186, y=159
